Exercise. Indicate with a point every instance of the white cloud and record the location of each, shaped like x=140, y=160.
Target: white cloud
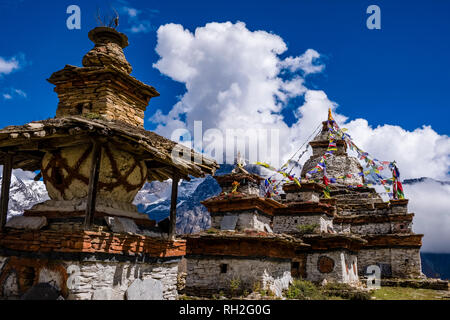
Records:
x=235, y=78
x=308, y=62
x=430, y=201
x=232, y=75
x=20, y=93
x=138, y=20
x=419, y=153
x=13, y=93
x=132, y=12
x=8, y=66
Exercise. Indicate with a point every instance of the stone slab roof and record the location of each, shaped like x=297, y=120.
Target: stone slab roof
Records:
x=246, y=244
x=241, y=202
x=326, y=241
x=90, y=242
x=366, y=218
x=30, y=142
x=394, y=240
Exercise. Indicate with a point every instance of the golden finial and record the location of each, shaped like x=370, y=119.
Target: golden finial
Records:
x=330, y=115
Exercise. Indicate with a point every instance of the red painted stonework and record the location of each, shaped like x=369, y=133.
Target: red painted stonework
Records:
x=91, y=242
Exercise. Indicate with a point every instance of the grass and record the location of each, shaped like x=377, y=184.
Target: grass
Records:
x=400, y=293
x=345, y=292
x=304, y=290
x=307, y=228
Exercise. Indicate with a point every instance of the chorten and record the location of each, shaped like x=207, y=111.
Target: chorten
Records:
x=391, y=243
x=339, y=164
x=94, y=157
x=103, y=87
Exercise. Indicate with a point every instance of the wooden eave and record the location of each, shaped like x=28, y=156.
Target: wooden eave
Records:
x=393, y=240
x=305, y=208
x=73, y=74
x=30, y=142
x=325, y=242
x=243, y=245
x=220, y=204
x=363, y=219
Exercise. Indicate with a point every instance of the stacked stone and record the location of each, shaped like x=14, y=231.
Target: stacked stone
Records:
x=103, y=87
x=244, y=208
x=332, y=256
x=304, y=209
x=89, y=264
x=238, y=262
x=387, y=227
x=89, y=241
x=337, y=163
x=240, y=252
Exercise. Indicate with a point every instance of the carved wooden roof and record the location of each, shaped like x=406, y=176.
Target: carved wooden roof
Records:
x=30, y=142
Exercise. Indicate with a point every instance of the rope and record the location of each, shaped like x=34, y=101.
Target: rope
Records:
x=314, y=133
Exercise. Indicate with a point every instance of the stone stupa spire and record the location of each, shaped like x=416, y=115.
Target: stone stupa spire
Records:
x=108, y=50
x=339, y=164
x=103, y=87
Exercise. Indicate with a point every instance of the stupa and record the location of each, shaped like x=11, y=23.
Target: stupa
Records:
x=241, y=247
x=360, y=210
x=89, y=241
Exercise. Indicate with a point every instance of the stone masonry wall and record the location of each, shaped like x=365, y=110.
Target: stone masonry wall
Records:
x=96, y=277
x=394, y=262
x=110, y=101
x=246, y=220
x=334, y=266
x=288, y=224
x=374, y=228
x=96, y=280
x=302, y=196
x=206, y=276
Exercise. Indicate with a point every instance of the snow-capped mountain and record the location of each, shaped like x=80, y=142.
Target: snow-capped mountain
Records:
x=154, y=198
x=24, y=194
x=192, y=216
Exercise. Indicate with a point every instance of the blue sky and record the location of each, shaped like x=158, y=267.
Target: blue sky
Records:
x=398, y=75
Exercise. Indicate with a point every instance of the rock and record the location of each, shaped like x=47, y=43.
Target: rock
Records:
x=148, y=289
x=122, y=225
x=324, y=283
x=27, y=223
x=35, y=125
x=107, y=294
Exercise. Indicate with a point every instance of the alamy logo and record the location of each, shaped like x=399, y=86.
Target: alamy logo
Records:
x=73, y=281
x=373, y=277
x=224, y=146
x=74, y=20
x=374, y=21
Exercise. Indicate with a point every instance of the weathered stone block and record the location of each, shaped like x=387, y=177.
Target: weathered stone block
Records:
x=122, y=225
x=107, y=294
x=148, y=289
x=27, y=223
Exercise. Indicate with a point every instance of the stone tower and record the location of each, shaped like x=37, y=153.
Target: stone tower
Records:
x=339, y=164
x=103, y=87
x=360, y=210
x=94, y=157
